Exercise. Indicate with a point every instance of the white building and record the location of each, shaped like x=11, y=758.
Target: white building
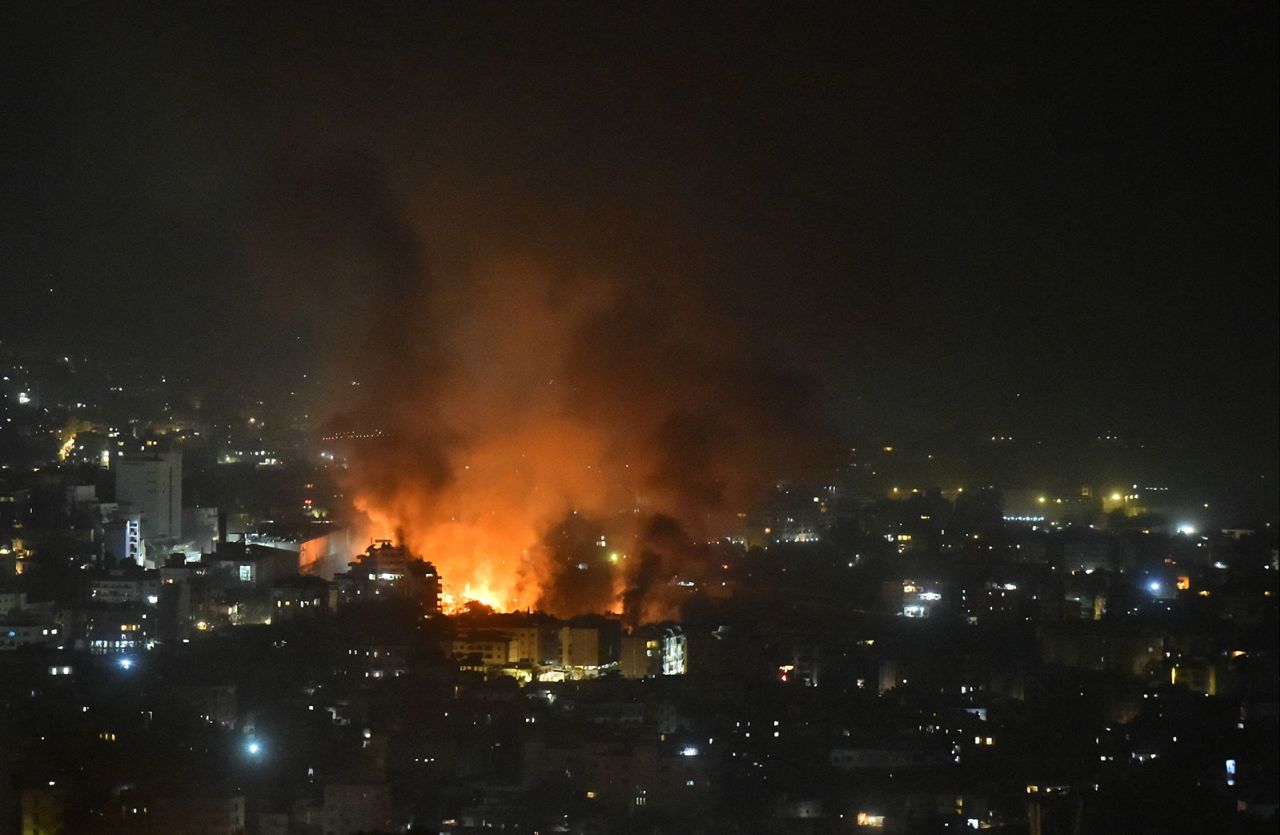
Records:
x=125, y=590
x=675, y=652
x=122, y=538
x=152, y=485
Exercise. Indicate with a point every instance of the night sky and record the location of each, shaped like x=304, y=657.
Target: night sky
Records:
x=1048, y=222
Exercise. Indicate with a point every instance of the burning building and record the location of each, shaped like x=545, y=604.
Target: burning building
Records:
x=390, y=571
x=487, y=403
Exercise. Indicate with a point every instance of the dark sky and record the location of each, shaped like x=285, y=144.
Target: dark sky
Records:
x=996, y=218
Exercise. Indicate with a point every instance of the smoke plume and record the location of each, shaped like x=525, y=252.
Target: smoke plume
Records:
x=552, y=427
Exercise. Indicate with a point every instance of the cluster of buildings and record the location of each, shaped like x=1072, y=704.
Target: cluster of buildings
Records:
x=838, y=689
x=534, y=647
x=191, y=644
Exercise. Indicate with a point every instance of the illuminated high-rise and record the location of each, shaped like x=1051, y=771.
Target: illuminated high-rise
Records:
x=152, y=485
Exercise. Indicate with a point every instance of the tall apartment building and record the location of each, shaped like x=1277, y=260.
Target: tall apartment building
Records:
x=152, y=485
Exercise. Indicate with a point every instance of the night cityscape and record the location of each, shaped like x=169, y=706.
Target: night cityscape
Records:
x=657, y=419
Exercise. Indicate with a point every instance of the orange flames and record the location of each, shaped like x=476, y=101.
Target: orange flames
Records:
x=455, y=604
x=483, y=530
x=485, y=563
x=540, y=362
x=551, y=405
x=517, y=463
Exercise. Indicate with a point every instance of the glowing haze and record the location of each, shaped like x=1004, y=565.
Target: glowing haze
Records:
x=550, y=434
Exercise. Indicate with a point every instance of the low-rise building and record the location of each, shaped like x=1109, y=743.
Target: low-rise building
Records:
x=357, y=807
x=15, y=635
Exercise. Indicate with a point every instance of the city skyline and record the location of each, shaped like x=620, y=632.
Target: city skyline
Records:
x=665, y=419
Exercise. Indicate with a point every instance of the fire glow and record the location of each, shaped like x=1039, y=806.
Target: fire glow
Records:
x=545, y=437
x=514, y=411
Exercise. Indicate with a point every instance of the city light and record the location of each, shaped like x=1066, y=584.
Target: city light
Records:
x=492, y=485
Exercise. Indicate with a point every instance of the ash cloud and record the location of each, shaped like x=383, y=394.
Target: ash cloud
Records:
x=561, y=422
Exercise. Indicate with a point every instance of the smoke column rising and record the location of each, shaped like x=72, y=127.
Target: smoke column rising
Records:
x=553, y=433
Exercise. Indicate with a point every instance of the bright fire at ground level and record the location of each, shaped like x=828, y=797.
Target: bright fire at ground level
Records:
x=390, y=570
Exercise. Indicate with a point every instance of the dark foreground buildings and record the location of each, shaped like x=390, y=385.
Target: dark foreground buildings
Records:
x=883, y=672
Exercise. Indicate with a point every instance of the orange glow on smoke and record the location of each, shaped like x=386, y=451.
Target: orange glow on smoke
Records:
x=454, y=604
x=483, y=530
x=477, y=562
x=532, y=404
x=517, y=464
